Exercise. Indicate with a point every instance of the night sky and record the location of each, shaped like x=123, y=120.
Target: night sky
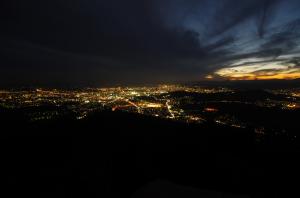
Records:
x=113, y=42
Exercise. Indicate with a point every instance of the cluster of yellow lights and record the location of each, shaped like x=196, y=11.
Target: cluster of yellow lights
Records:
x=292, y=106
x=138, y=106
x=150, y=105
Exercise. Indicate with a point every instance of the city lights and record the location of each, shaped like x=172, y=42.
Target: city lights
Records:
x=189, y=104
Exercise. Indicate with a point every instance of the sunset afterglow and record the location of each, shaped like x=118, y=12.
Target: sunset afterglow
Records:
x=265, y=71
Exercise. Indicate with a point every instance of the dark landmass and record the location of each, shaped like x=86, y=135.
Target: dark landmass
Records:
x=251, y=84
x=239, y=84
x=116, y=154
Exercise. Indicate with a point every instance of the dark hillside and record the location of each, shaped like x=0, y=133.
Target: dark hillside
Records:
x=115, y=154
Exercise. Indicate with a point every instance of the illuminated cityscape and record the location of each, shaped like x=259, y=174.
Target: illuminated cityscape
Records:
x=188, y=104
x=150, y=98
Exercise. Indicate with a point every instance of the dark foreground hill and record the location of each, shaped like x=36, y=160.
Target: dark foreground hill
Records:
x=119, y=155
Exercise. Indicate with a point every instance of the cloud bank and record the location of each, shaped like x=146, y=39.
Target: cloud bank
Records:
x=99, y=42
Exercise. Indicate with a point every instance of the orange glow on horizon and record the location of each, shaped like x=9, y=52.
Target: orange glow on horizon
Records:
x=259, y=72
x=283, y=76
x=209, y=77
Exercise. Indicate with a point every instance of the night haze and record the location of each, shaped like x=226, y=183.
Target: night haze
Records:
x=150, y=98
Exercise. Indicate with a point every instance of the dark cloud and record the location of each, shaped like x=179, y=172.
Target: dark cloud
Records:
x=265, y=16
x=116, y=41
